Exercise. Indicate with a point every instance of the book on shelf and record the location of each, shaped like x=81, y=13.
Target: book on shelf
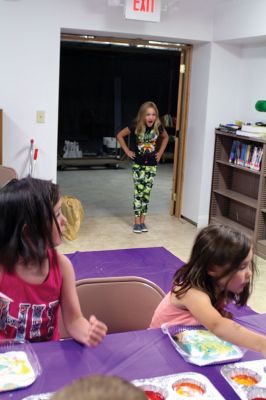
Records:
x=229, y=128
x=246, y=155
x=254, y=128
x=243, y=151
x=233, y=151
x=251, y=134
x=252, y=131
x=247, y=162
x=256, y=161
x=238, y=153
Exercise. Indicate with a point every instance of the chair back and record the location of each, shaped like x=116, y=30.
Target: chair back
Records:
x=123, y=303
x=6, y=175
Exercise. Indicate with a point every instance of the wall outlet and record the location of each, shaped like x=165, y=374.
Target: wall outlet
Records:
x=40, y=117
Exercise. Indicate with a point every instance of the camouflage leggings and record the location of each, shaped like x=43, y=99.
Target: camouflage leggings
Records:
x=143, y=178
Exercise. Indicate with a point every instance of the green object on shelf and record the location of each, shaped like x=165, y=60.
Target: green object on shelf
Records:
x=261, y=105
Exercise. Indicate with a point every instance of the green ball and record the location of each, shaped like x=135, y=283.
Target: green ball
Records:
x=261, y=105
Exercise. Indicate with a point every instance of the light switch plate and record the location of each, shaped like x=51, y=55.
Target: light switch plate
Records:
x=40, y=117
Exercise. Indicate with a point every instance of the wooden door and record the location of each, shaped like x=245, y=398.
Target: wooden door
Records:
x=1, y=137
x=181, y=127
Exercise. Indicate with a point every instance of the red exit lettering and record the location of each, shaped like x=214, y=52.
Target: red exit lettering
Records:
x=143, y=5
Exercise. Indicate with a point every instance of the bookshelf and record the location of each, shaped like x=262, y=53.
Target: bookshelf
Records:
x=238, y=194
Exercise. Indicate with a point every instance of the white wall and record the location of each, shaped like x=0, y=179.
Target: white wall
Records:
x=238, y=19
x=214, y=99
x=253, y=82
x=29, y=68
x=29, y=75
x=196, y=130
x=227, y=80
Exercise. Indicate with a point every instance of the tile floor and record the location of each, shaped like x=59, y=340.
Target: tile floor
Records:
x=106, y=197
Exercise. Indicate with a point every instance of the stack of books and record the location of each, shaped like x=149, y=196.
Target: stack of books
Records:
x=252, y=131
x=229, y=128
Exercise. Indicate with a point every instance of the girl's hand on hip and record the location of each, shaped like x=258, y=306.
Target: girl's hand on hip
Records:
x=131, y=154
x=158, y=156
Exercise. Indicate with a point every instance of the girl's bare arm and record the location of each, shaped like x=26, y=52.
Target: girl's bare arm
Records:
x=165, y=138
x=199, y=304
x=87, y=332
x=121, y=139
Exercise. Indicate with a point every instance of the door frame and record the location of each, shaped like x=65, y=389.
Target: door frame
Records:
x=1, y=137
x=182, y=100
x=181, y=131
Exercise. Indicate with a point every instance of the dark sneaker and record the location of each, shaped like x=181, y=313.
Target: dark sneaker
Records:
x=144, y=228
x=137, y=228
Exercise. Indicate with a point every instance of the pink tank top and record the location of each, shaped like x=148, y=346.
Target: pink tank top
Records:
x=168, y=313
x=33, y=314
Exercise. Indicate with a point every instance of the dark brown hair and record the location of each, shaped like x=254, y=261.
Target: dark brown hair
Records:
x=26, y=209
x=215, y=245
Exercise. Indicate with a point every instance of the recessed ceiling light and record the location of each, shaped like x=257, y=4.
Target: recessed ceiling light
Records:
x=164, y=43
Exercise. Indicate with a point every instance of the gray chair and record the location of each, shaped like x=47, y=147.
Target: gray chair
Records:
x=6, y=175
x=123, y=303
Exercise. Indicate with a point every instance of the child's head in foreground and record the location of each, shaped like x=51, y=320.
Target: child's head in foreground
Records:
x=100, y=387
x=220, y=264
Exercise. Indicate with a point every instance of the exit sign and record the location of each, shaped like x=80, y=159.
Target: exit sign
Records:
x=143, y=10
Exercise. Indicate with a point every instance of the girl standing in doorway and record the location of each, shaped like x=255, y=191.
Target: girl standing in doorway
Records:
x=144, y=132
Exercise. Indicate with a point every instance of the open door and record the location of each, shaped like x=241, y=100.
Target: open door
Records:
x=182, y=98
x=181, y=128
x=1, y=137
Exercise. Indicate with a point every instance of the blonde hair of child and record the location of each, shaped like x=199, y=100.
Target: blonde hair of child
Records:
x=100, y=387
x=140, y=119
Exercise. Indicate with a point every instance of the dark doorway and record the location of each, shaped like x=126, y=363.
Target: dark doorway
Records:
x=102, y=87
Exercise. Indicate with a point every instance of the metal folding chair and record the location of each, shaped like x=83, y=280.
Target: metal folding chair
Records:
x=123, y=303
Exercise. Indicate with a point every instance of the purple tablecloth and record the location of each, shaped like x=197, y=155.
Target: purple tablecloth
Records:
x=154, y=263
x=132, y=355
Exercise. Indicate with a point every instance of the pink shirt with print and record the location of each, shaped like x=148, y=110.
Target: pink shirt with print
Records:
x=33, y=313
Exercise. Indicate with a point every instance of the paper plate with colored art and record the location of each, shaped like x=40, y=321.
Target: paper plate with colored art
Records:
x=19, y=365
x=199, y=346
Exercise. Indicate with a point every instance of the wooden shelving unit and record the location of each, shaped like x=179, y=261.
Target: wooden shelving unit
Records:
x=238, y=195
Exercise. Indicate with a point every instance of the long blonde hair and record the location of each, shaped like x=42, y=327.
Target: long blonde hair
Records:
x=140, y=119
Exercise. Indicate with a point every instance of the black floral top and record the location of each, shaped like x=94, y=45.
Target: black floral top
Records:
x=144, y=145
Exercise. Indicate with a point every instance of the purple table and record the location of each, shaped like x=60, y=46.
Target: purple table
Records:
x=154, y=263
x=132, y=355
